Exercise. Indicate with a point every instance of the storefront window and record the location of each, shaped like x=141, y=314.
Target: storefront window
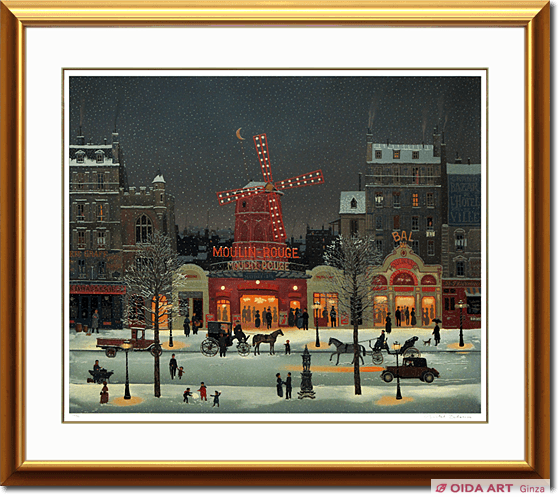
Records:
x=405, y=304
x=380, y=310
x=251, y=305
x=326, y=316
x=428, y=310
x=223, y=310
x=474, y=305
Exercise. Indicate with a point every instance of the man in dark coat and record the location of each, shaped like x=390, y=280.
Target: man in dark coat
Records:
x=279, y=385
x=173, y=366
x=186, y=325
x=398, y=315
x=269, y=318
x=305, y=319
x=222, y=345
x=388, y=324
x=195, y=324
x=437, y=333
x=288, y=386
x=333, y=317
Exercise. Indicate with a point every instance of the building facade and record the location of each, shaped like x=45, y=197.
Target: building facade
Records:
x=406, y=196
x=353, y=213
x=107, y=219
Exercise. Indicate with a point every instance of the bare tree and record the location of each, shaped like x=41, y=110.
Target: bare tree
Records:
x=149, y=290
x=354, y=259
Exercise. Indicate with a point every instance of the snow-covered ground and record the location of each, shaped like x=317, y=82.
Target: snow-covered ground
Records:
x=248, y=384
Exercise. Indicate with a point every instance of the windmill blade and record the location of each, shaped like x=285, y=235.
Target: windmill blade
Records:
x=261, y=144
x=276, y=217
x=228, y=196
x=313, y=178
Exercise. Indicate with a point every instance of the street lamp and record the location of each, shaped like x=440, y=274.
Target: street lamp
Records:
x=461, y=306
x=126, y=346
x=316, y=308
x=170, y=314
x=396, y=346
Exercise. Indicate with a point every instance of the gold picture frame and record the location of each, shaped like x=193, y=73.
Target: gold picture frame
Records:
x=532, y=16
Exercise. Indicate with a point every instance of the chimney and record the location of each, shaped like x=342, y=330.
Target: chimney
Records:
x=436, y=142
x=457, y=159
x=387, y=141
x=360, y=174
x=469, y=161
x=116, y=148
x=80, y=139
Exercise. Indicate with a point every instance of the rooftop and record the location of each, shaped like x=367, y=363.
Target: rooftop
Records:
x=403, y=154
x=346, y=199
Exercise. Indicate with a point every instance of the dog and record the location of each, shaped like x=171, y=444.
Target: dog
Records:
x=427, y=342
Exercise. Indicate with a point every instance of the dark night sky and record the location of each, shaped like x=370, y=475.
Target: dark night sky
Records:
x=186, y=128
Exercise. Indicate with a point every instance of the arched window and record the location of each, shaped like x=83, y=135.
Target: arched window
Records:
x=353, y=203
x=144, y=229
x=80, y=156
x=99, y=156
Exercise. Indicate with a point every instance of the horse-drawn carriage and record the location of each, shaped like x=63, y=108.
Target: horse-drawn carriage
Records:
x=406, y=350
x=137, y=342
x=216, y=329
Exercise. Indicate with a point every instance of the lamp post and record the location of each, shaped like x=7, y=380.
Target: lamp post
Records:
x=126, y=346
x=316, y=308
x=170, y=314
x=461, y=306
x=396, y=346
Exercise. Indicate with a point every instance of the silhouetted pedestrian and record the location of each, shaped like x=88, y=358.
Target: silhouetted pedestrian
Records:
x=216, y=398
x=185, y=395
x=279, y=385
x=173, y=366
x=287, y=348
x=288, y=386
x=186, y=326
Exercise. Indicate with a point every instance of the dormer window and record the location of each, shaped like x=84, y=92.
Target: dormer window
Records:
x=378, y=154
x=415, y=155
x=80, y=157
x=99, y=156
x=396, y=154
x=353, y=203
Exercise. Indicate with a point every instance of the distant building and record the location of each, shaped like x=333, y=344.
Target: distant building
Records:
x=107, y=219
x=406, y=196
x=353, y=212
x=461, y=254
x=316, y=242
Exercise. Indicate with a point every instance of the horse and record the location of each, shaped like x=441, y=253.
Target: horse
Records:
x=345, y=348
x=271, y=339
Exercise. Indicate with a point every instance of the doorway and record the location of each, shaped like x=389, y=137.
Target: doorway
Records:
x=253, y=304
x=404, y=304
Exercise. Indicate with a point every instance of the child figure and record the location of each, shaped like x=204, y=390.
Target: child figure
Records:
x=216, y=398
x=181, y=372
x=287, y=348
x=202, y=391
x=186, y=395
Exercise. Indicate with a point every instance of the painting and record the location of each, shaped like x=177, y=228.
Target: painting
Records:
x=275, y=243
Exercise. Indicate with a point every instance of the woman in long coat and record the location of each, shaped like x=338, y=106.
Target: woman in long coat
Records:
x=279, y=385
x=388, y=325
x=104, y=394
x=257, y=319
x=186, y=325
x=299, y=318
x=413, y=319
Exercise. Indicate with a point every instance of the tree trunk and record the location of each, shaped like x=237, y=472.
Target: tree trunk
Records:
x=156, y=368
x=356, y=354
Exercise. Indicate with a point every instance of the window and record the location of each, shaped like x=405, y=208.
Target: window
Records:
x=81, y=239
x=101, y=212
x=161, y=198
x=144, y=229
x=396, y=199
x=396, y=154
x=415, y=246
x=354, y=227
x=101, y=239
x=397, y=175
x=378, y=225
x=431, y=248
x=415, y=200
x=429, y=174
x=379, y=199
x=460, y=242
x=415, y=176
x=396, y=225
x=460, y=269
x=100, y=181
x=80, y=156
x=81, y=269
x=99, y=156
x=80, y=181
x=378, y=175
x=449, y=304
x=430, y=200
x=378, y=154
x=430, y=227
x=415, y=155
x=415, y=223
x=353, y=203
x=378, y=244
x=80, y=212
x=101, y=270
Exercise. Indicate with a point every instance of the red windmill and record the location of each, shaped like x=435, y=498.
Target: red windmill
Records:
x=258, y=214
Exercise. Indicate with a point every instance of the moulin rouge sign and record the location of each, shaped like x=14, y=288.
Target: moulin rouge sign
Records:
x=256, y=258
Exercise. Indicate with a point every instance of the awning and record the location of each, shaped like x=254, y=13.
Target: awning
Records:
x=473, y=291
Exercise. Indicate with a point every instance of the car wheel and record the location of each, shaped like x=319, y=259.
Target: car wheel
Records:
x=428, y=377
x=388, y=377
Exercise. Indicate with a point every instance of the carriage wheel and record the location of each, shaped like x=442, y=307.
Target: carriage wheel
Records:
x=209, y=347
x=243, y=349
x=156, y=350
x=377, y=357
x=110, y=352
x=411, y=352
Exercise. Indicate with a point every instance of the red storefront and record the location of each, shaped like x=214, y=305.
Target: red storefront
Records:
x=238, y=298
x=467, y=291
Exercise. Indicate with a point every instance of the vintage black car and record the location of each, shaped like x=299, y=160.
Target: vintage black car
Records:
x=412, y=367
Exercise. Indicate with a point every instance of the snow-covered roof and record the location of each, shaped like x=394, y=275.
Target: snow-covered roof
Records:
x=423, y=152
x=159, y=179
x=252, y=184
x=346, y=199
x=463, y=169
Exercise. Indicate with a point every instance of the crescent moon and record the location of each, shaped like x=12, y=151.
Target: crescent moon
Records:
x=239, y=134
